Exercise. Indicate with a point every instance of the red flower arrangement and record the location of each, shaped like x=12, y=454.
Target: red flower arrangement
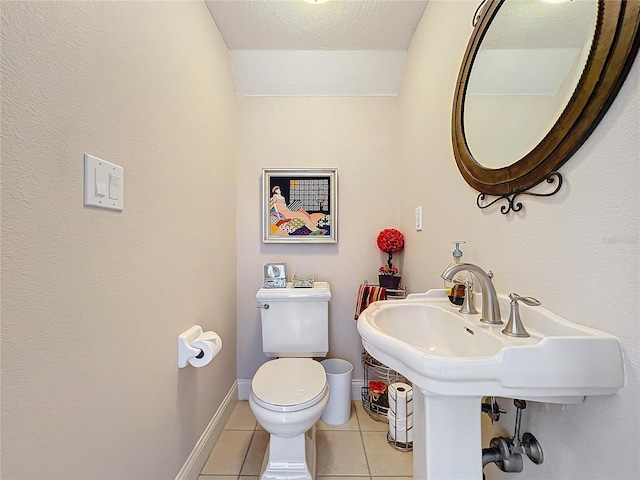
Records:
x=390, y=241
x=385, y=270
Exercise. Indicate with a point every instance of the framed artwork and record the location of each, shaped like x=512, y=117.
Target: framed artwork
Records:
x=300, y=205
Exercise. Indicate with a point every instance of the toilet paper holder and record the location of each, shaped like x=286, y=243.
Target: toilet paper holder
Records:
x=185, y=350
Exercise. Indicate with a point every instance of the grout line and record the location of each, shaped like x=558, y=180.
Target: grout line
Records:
x=364, y=448
x=246, y=455
x=355, y=409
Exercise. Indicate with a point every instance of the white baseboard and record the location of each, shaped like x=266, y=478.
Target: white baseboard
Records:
x=198, y=456
x=244, y=389
x=356, y=389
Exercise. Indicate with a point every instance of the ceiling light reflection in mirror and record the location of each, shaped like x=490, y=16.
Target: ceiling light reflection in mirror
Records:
x=523, y=76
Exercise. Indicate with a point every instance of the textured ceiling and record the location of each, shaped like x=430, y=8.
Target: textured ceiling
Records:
x=342, y=47
x=335, y=25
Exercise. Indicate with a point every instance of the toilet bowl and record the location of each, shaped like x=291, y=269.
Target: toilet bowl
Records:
x=288, y=396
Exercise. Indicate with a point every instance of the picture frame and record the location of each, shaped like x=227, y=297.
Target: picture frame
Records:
x=300, y=205
x=275, y=275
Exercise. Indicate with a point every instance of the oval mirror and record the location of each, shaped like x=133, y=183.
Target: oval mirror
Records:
x=536, y=78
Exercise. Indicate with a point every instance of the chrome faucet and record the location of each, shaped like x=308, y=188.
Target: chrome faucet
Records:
x=490, y=307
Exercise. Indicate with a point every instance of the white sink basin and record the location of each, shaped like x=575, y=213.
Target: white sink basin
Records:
x=446, y=353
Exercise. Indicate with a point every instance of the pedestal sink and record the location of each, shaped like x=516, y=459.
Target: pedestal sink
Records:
x=454, y=360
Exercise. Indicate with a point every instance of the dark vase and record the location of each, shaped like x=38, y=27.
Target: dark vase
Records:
x=389, y=281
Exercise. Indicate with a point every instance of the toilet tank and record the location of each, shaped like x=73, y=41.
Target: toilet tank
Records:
x=296, y=323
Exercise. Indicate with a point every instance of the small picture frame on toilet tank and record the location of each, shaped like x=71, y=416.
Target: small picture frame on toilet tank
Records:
x=275, y=275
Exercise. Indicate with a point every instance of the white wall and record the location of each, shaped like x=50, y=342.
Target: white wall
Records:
x=359, y=137
x=93, y=300
x=577, y=252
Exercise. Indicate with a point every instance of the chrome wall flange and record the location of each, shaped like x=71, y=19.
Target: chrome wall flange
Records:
x=532, y=448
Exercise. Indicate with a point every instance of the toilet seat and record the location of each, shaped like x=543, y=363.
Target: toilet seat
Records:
x=289, y=384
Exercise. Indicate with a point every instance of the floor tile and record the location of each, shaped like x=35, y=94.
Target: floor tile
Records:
x=255, y=455
x=384, y=460
x=344, y=453
x=241, y=418
x=340, y=453
x=391, y=478
x=228, y=454
x=351, y=424
x=217, y=477
x=367, y=424
x=334, y=477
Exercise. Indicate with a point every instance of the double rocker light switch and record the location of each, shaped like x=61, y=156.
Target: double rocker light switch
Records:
x=103, y=184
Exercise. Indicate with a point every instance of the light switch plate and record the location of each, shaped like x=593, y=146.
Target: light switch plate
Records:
x=99, y=184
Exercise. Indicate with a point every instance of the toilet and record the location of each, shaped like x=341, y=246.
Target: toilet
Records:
x=289, y=393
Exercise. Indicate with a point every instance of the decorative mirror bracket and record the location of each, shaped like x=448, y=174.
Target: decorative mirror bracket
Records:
x=512, y=205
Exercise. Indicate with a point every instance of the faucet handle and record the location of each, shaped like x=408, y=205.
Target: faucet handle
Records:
x=514, y=326
x=532, y=302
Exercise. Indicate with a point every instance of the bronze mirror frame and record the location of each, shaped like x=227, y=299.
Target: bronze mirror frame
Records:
x=613, y=50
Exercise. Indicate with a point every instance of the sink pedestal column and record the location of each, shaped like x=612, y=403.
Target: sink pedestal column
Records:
x=447, y=441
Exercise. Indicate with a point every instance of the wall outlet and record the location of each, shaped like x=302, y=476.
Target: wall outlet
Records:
x=419, y=218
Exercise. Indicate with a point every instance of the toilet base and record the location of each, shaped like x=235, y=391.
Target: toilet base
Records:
x=292, y=458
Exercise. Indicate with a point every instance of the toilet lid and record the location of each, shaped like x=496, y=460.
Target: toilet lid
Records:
x=289, y=381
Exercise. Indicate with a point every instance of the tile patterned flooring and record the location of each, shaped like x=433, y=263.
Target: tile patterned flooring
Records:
x=357, y=450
